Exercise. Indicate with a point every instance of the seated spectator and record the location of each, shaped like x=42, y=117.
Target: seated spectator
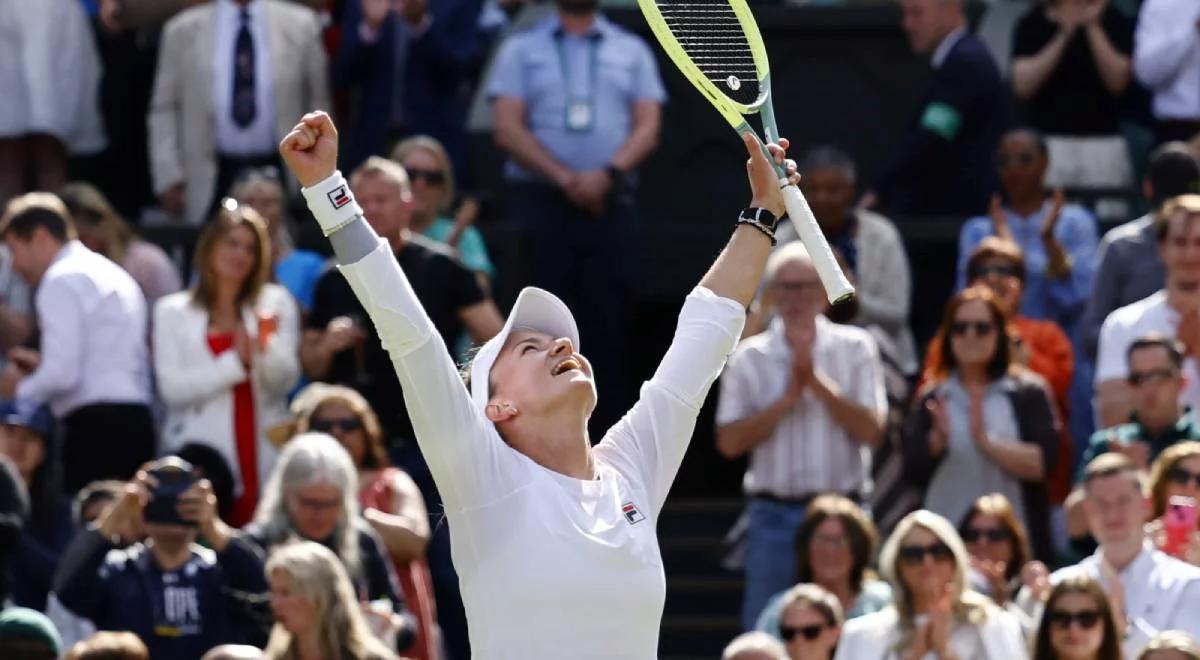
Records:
x=755, y=645
x=1058, y=240
x=317, y=614
x=932, y=611
x=1173, y=311
x=27, y=634
x=834, y=548
x=870, y=246
x=1164, y=60
x=811, y=622
x=1128, y=266
x=1154, y=591
x=390, y=500
x=234, y=652
x=1080, y=622
x=26, y=436
x=1171, y=645
x=982, y=426
x=297, y=270
x=998, y=546
x=225, y=352
x=311, y=495
x=1176, y=472
x=106, y=645
x=102, y=230
x=168, y=590
x=14, y=509
x=1071, y=68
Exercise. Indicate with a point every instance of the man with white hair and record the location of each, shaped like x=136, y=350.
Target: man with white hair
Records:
x=806, y=399
x=754, y=645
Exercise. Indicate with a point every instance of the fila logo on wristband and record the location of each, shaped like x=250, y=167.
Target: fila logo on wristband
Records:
x=339, y=196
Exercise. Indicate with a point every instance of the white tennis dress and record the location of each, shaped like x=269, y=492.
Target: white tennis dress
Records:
x=550, y=566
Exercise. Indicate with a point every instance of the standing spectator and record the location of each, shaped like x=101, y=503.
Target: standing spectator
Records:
x=1080, y=622
x=317, y=615
x=812, y=621
x=943, y=165
x=577, y=105
x=97, y=382
x=1166, y=59
x=998, y=545
x=232, y=74
x=1071, y=67
x=869, y=244
x=806, y=400
x=1173, y=311
x=1176, y=472
x=225, y=353
x=1154, y=591
x=106, y=233
x=983, y=426
x=1128, y=265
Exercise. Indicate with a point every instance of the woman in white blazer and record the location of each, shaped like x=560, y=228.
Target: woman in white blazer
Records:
x=933, y=615
x=225, y=352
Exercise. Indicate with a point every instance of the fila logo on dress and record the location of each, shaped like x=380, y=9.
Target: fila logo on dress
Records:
x=631, y=513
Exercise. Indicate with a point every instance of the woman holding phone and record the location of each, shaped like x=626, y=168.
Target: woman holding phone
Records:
x=1175, y=494
x=554, y=539
x=225, y=352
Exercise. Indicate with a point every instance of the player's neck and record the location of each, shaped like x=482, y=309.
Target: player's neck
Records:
x=576, y=23
x=559, y=444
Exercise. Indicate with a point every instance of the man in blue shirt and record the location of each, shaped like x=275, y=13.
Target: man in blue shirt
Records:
x=577, y=105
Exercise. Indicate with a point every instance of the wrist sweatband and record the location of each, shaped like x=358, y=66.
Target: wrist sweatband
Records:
x=331, y=203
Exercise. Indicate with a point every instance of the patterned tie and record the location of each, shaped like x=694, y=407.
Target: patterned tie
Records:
x=244, y=107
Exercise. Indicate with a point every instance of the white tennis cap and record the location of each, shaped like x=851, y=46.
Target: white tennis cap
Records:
x=535, y=309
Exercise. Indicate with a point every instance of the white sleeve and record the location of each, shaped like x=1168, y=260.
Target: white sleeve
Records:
x=468, y=460
x=62, y=312
x=736, y=390
x=1163, y=40
x=648, y=444
x=1110, y=352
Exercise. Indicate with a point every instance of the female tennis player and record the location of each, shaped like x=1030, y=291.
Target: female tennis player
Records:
x=554, y=539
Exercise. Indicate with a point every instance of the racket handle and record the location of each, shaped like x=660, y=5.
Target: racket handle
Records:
x=837, y=287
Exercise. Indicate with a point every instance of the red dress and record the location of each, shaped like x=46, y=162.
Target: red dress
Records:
x=245, y=436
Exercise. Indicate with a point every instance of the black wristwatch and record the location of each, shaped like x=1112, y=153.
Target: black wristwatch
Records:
x=761, y=219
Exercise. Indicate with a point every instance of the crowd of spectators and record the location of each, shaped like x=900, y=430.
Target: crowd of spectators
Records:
x=217, y=458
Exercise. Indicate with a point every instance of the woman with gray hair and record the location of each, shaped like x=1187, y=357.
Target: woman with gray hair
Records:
x=933, y=613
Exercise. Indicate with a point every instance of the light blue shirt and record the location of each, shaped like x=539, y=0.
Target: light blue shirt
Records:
x=259, y=137
x=528, y=67
x=1058, y=300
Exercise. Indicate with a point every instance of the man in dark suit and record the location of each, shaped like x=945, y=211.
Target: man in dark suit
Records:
x=943, y=164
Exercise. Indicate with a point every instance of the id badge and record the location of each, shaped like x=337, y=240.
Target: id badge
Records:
x=579, y=115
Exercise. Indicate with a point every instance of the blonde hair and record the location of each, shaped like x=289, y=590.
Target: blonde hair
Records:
x=83, y=198
x=754, y=642
x=321, y=580
x=229, y=217
x=109, y=645
x=814, y=597
x=382, y=167
x=1172, y=640
x=416, y=143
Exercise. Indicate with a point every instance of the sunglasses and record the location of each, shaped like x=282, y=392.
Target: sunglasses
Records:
x=347, y=425
x=1136, y=378
x=914, y=555
x=995, y=269
x=432, y=177
x=981, y=328
x=1181, y=477
x=1086, y=619
x=995, y=535
x=1008, y=160
x=788, y=633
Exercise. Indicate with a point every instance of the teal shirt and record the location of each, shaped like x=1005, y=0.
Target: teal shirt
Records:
x=1125, y=434
x=471, y=249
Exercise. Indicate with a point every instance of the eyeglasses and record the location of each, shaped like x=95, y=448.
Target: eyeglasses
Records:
x=836, y=541
x=1062, y=620
x=914, y=555
x=995, y=269
x=1136, y=378
x=981, y=328
x=1008, y=160
x=807, y=632
x=328, y=425
x=1181, y=477
x=432, y=177
x=994, y=534
x=319, y=505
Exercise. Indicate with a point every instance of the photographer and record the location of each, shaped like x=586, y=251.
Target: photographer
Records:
x=167, y=589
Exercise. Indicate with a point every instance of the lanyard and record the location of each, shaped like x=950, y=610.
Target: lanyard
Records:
x=593, y=41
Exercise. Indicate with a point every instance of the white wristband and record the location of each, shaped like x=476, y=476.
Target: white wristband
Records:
x=332, y=203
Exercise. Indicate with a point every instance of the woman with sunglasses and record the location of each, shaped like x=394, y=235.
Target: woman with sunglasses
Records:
x=998, y=546
x=933, y=610
x=985, y=425
x=1079, y=623
x=1175, y=473
x=225, y=352
x=811, y=622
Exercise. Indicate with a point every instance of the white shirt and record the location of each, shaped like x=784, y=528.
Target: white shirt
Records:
x=807, y=452
x=259, y=137
x=551, y=566
x=1166, y=56
x=1126, y=324
x=943, y=50
x=93, y=322
x=1161, y=593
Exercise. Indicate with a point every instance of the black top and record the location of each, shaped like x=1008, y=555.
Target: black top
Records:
x=1073, y=100
x=442, y=284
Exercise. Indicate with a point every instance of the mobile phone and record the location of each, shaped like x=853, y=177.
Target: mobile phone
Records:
x=1179, y=522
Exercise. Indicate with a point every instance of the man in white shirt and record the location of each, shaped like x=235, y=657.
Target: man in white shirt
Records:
x=1166, y=59
x=93, y=369
x=1156, y=592
x=806, y=398
x=1174, y=311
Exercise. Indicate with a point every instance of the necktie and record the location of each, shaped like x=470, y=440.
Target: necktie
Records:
x=244, y=107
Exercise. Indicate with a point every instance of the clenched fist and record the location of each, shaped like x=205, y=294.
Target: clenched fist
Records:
x=310, y=149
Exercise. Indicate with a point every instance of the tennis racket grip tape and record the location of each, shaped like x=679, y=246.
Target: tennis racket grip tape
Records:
x=837, y=287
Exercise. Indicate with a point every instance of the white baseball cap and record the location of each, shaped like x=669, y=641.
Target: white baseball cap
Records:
x=535, y=309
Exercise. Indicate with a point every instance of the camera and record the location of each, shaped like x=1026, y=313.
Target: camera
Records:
x=174, y=476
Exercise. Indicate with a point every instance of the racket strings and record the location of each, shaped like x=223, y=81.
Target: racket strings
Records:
x=713, y=39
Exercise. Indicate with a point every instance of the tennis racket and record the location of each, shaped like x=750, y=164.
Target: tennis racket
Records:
x=717, y=46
